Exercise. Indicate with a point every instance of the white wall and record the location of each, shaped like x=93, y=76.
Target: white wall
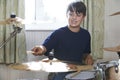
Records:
x=112, y=28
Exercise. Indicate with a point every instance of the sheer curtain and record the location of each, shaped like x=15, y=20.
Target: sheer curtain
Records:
x=15, y=49
x=94, y=22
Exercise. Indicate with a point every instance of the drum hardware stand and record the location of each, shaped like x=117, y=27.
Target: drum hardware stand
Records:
x=14, y=33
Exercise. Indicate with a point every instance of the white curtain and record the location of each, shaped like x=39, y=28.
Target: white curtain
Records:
x=94, y=22
x=14, y=51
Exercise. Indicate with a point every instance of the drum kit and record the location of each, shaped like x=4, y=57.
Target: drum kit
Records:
x=100, y=71
x=108, y=70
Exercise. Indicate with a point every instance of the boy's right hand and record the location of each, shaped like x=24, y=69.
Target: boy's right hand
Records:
x=38, y=50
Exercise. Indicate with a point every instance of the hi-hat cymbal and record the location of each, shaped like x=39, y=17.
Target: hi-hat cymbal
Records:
x=113, y=49
x=117, y=13
x=44, y=65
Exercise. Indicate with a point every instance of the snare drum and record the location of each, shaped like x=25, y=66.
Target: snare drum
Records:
x=84, y=75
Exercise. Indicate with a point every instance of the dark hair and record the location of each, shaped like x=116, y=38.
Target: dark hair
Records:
x=78, y=7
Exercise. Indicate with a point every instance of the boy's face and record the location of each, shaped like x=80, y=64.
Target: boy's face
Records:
x=75, y=19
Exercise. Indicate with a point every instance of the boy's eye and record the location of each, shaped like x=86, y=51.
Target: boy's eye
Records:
x=75, y=14
x=78, y=15
x=71, y=14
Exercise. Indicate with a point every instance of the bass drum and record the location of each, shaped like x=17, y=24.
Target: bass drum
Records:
x=84, y=75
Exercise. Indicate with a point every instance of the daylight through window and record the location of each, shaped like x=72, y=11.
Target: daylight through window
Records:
x=46, y=14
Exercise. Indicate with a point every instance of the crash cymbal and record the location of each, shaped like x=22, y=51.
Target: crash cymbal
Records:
x=17, y=24
x=117, y=13
x=16, y=21
x=113, y=49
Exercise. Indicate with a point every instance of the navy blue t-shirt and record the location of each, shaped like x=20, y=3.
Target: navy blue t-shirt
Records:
x=68, y=45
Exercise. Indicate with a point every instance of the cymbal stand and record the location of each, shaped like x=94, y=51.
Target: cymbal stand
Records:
x=51, y=56
x=14, y=33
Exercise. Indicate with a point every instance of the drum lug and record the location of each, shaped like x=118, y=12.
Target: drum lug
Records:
x=116, y=69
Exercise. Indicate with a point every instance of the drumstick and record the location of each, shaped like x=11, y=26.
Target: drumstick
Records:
x=82, y=68
x=30, y=52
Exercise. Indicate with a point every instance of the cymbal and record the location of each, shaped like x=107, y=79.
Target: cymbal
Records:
x=28, y=66
x=16, y=21
x=117, y=13
x=44, y=65
x=113, y=49
x=17, y=24
x=3, y=22
x=18, y=66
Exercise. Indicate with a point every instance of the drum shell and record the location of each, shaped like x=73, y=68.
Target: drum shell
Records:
x=111, y=74
x=111, y=69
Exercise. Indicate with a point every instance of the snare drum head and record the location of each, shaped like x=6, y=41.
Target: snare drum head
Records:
x=82, y=75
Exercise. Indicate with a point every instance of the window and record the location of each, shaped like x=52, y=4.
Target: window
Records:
x=45, y=14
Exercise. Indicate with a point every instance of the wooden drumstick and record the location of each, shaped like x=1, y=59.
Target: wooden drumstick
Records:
x=113, y=49
x=117, y=13
x=80, y=68
x=30, y=52
x=84, y=67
